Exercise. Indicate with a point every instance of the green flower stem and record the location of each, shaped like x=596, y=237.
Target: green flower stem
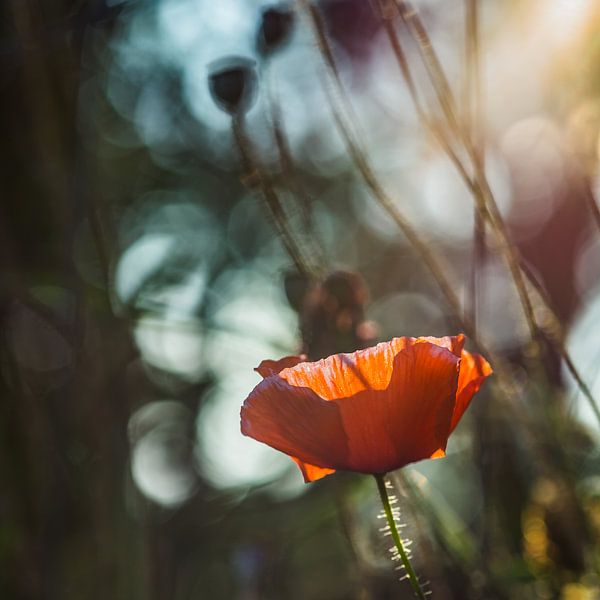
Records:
x=412, y=577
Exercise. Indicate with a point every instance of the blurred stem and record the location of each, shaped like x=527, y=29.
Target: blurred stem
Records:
x=472, y=87
x=485, y=201
x=101, y=243
x=473, y=103
x=423, y=250
x=478, y=185
x=269, y=195
x=592, y=205
x=482, y=193
x=288, y=172
x=412, y=577
x=360, y=161
x=477, y=261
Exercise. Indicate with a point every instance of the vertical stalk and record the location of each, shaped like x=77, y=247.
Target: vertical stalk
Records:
x=486, y=203
x=269, y=196
x=473, y=102
x=482, y=193
x=477, y=184
x=303, y=201
x=412, y=577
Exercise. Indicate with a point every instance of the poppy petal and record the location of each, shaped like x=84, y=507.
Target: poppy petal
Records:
x=474, y=370
x=454, y=343
x=296, y=421
x=371, y=411
x=396, y=400
x=272, y=367
x=312, y=472
x=343, y=375
x=407, y=421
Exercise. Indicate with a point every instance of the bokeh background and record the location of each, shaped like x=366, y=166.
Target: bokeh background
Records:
x=142, y=280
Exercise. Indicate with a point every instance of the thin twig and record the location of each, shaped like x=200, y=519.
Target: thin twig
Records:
x=487, y=205
x=482, y=193
x=269, y=196
x=473, y=103
x=428, y=256
x=371, y=181
x=298, y=192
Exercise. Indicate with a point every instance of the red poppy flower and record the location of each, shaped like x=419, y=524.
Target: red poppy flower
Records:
x=371, y=411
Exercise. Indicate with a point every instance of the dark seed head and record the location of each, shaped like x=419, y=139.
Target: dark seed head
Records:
x=275, y=28
x=233, y=84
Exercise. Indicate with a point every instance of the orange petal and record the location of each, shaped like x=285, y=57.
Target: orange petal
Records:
x=474, y=369
x=343, y=375
x=272, y=367
x=312, y=472
x=396, y=400
x=371, y=411
x=407, y=421
x=454, y=343
x=296, y=421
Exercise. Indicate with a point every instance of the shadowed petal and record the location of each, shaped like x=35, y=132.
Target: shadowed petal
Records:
x=295, y=421
x=474, y=369
x=273, y=367
x=410, y=419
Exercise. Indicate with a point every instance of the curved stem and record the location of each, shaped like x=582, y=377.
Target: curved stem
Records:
x=412, y=577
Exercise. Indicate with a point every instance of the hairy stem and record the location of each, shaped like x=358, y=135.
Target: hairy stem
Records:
x=410, y=572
